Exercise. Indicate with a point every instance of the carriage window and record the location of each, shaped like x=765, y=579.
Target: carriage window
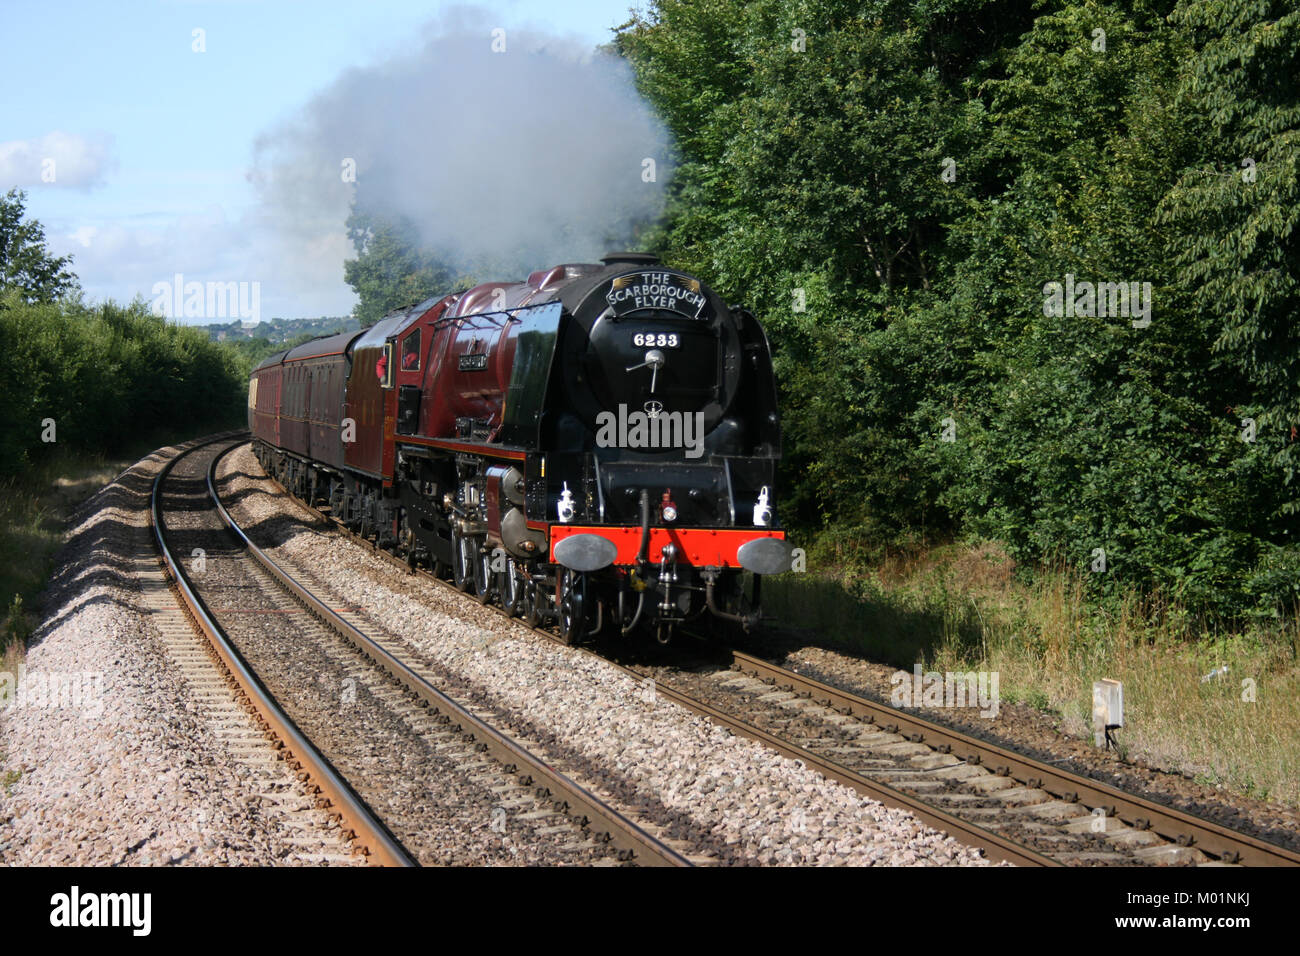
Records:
x=411, y=352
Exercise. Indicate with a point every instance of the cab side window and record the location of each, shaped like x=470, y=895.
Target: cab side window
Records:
x=411, y=352
x=384, y=367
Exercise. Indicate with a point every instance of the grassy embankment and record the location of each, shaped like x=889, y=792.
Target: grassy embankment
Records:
x=89, y=389
x=34, y=509
x=963, y=608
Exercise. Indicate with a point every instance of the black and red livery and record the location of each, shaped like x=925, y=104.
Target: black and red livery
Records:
x=466, y=432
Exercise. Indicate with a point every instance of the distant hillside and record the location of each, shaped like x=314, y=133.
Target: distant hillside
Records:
x=279, y=331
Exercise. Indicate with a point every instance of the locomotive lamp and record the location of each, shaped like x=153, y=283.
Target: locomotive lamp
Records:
x=667, y=509
x=762, y=511
x=565, y=509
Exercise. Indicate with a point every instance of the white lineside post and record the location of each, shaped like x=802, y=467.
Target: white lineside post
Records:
x=1107, y=709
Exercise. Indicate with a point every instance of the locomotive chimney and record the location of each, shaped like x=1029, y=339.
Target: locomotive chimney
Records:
x=635, y=258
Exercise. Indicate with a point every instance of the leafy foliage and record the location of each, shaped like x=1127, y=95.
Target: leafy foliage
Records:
x=1099, y=141
x=104, y=375
x=391, y=269
x=1235, y=211
x=25, y=265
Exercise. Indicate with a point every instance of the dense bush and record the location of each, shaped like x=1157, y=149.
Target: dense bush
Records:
x=1163, y=152
x=106, y=375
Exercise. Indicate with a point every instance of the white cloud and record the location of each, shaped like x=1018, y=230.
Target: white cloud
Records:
x=56, y=159
x=118, y=261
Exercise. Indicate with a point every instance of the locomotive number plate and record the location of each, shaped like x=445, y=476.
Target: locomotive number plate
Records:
x=473, y=363
x=663, y=340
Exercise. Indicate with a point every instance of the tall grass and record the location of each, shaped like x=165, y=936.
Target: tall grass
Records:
x=34, y=510
x=964, y=608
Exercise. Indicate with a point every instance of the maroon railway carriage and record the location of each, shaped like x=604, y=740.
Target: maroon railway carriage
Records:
x=595, y=445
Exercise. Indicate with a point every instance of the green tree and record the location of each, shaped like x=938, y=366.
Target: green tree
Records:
x=1099, y=140
x=391, y=269
x=1234, y=213
x=25, y=264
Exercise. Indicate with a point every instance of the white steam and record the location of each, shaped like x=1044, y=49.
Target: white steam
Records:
x=504, y=161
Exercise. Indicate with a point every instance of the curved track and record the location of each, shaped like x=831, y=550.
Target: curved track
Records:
x=367, y=830
x=1163, y=834
x=604, y=823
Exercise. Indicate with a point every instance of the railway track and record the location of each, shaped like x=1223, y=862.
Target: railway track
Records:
x=1064, y=817
x=365, y=830
x=1121, y=816
x=1017, y=809
x=575, y=824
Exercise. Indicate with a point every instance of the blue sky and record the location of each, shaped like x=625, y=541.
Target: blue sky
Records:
x=153, y=142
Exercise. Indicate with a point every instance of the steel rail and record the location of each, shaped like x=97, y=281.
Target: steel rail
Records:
x=338, y=796
x=580, y=803
x=995, y=845
x=1175, y=825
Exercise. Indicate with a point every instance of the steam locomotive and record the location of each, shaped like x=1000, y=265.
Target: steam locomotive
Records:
x=593, y=448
